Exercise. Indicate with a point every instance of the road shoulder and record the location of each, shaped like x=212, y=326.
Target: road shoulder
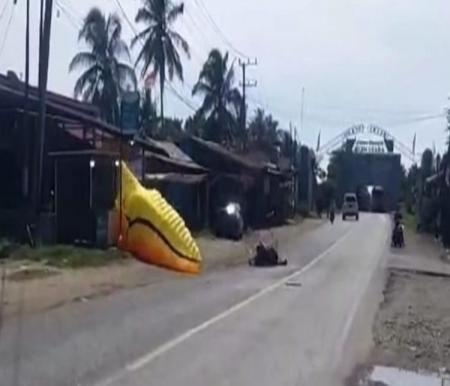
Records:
x=411, y=330
x=30, y=288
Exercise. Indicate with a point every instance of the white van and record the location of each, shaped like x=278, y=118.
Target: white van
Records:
x=350, y=206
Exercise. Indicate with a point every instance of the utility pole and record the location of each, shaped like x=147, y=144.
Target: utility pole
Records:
x=27, y=55
x=41, y=23
x=44, y=51
x=444, y=186
x=302, y=110
x=245, y=84
x=25, y=121
x=291, y=142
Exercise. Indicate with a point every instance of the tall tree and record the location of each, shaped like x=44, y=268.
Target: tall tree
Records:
x=147, y=113
x=426, y=169
x=287, y=144
x=161, y=42
x=105, y=76
x=264, y=131
x=195, y=124
x=426, y=165
x=221, y=99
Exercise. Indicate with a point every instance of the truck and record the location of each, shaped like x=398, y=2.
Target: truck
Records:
x=378, y=200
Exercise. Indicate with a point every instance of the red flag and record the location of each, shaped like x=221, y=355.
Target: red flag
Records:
x=150, y=80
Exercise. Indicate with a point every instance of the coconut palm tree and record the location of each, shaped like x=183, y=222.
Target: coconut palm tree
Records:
x=256, y=126
x=221, y=99
x=147, y=113
x=160, y=42
x=104, y=76
x=264, y=131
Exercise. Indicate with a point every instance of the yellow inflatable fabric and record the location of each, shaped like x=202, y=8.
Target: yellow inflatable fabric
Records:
x=152, y=230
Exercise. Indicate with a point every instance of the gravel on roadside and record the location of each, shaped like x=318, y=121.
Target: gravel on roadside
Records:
x=412, y=327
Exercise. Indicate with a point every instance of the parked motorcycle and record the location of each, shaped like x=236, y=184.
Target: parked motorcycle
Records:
x=229, y=221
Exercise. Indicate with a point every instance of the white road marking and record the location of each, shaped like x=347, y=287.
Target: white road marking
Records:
x=152, y=355
x=339, y=349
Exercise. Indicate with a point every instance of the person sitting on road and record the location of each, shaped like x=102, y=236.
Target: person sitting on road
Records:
x=266, y=252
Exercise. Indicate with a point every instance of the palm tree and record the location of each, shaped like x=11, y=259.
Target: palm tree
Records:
x=426, y=165
x=256, y=126
x=104, y=76
x=221, y=99
x=287, y=143
x=147, y=113
x=264, y=131
x=195, y=124
x=160, y=42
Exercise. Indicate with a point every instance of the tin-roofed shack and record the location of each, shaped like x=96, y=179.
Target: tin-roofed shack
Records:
x=264, y=192
x=75, y=137
x=181, y=181
x=70, y=126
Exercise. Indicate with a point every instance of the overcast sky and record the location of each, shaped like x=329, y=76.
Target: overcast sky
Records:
x=385, y=62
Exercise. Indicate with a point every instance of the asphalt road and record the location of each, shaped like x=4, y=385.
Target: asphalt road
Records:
x=304, y=324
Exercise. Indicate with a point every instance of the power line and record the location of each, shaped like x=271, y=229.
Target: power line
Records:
x=418, y=119
x=198, y=55
x=73, y=10
x=181, y=98
x=199, y=30
x=131, y=25
x=6, y=31
x=205, y=11
x=364, y=109
x=76, y=24
x=4, y=9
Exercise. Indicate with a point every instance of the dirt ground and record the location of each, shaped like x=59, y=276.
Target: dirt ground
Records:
x=411, y=330
x=41, y=288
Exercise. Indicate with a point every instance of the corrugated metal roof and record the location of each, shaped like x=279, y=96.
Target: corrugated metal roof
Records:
x=177, y=162
x=11, y=81
x=176, y=177
x=173, y=151
x=13, y=96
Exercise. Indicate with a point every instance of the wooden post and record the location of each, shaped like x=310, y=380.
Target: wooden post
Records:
x=207, y=202
x=43, y=77
x=143, y=166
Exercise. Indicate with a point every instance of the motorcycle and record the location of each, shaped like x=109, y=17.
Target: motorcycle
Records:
x=398, y=236
x=229, y=221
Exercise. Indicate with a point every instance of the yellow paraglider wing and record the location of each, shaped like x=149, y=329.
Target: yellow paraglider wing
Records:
x=152, y=230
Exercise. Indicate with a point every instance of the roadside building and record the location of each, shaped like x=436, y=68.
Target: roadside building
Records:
x=264, y=192
x=70, y=125
x=180, y=180
x=80, y=169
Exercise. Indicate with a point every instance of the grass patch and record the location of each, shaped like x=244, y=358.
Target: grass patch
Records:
x=68, y=256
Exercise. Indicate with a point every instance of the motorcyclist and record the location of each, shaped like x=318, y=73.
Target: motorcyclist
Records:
x=397, y=216
x=398, y=232
x=332, y=210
